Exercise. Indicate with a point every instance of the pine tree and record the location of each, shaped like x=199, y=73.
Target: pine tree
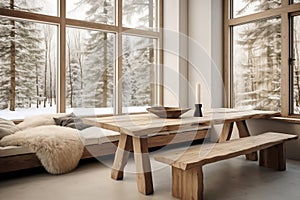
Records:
x=141, y=9
x=143, y=77
x=137, y=65
x=127, y=81
x=5, y=44
x=74, y=73
x=47, y=78
x=296, y=65
x=20, y=55
x=138, y=58
x=98, y=68
x=99, y=72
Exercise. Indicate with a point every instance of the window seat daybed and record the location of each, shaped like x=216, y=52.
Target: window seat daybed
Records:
x=97, y=143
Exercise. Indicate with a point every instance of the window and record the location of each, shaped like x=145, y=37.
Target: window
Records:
x=88, y=57
x=144, y=11
x=295, y=62
x=242, y=8
x=90, y=64
x=28, y=66
x=258, y=52
x=102, y=11
x=138, y=62
x=256, y=64
x=47, y=7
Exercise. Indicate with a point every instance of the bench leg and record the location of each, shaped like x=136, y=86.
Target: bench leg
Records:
x=177, y=182
x=273, y=157
x=244, y=132
x=121, y=156
x=143, y=166
x=187, y=184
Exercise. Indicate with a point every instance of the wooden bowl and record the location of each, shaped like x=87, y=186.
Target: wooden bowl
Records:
x=168, y=112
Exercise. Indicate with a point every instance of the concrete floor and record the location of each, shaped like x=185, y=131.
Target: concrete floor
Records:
x=235, y=179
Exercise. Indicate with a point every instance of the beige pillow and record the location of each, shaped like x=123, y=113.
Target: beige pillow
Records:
x=7, y=127
x=39, y=120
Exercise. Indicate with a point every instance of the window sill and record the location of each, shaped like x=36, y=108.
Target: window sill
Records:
x=289, y=119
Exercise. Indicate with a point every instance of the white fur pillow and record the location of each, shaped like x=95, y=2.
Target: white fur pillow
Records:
x=58, y=148
x=39, y=120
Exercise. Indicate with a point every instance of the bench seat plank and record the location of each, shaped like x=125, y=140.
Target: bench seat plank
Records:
x=187, y=174
x=207, y=153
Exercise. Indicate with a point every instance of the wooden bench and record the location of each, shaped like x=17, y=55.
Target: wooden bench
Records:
x=187, y=175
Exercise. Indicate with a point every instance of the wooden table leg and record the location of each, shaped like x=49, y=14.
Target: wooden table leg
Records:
x=121, y=156
x=143, y=166
x=226, y=132
x=244, y=132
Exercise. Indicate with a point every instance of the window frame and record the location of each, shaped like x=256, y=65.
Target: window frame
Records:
x=62, y=22
x=284, y=12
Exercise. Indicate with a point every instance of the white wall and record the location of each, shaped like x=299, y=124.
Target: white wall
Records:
x=192, y=38
x=205, y=51
x=175, y=53
x=171, y=46
x=217, y=84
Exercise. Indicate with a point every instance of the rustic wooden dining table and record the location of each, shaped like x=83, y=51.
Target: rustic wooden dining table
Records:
x=137, y=128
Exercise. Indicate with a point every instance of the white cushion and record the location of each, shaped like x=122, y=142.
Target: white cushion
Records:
x=39, y=120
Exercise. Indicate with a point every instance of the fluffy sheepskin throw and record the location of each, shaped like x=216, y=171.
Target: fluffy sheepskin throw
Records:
x=58, y=148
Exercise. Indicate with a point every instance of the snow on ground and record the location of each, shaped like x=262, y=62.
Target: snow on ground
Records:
x=21, y=113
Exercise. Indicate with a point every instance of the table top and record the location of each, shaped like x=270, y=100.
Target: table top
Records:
x=149, y=124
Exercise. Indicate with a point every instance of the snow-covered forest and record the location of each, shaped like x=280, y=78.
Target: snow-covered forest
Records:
x=257, y=59
x=29, y=58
